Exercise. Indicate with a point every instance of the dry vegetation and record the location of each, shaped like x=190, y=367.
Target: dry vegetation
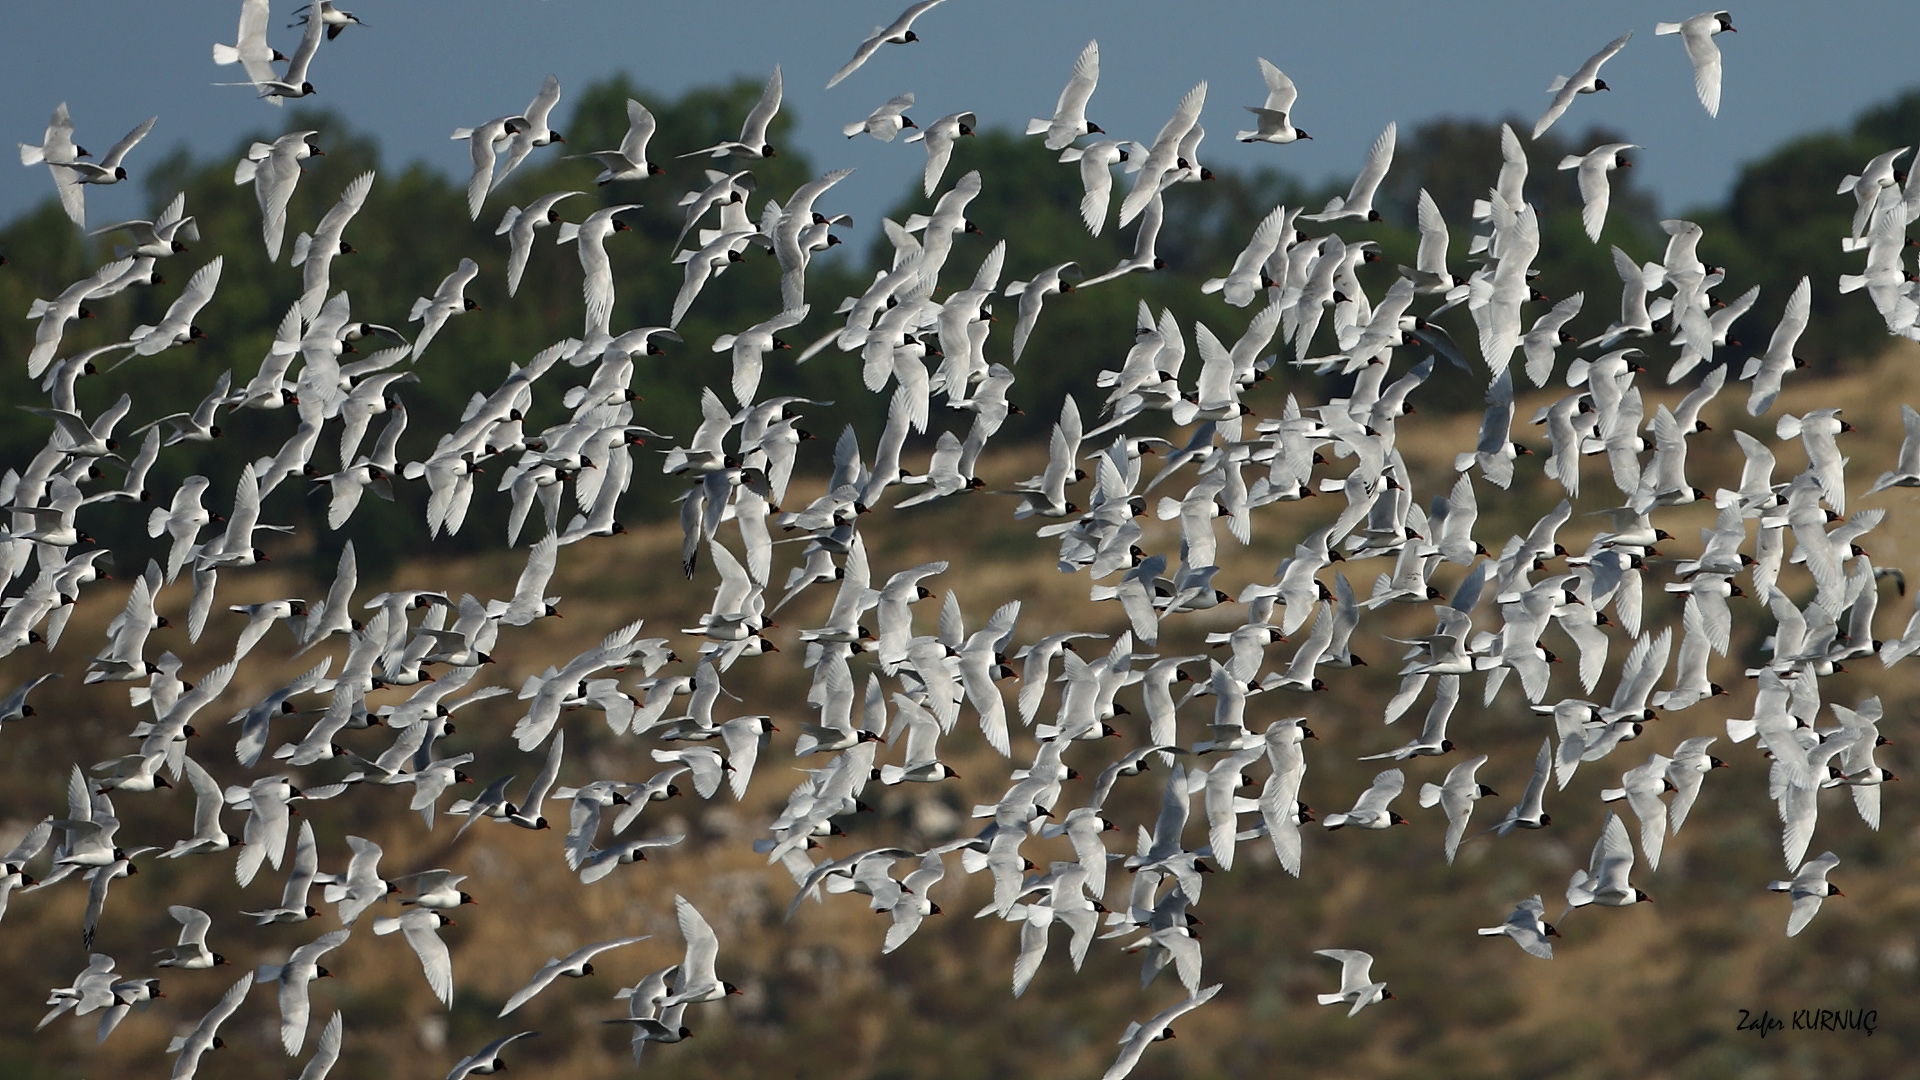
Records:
x=1654, y=991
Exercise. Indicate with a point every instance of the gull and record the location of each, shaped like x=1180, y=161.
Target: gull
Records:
x=300, y=969
x=1584, y=81
x=421, y=927
x=898, y=32
x=250, y=48
x=274, y=170
x=327, y=1051
x=1875, y=183
x=708, y=263
x=127, y=994
x=480, y=142
x=166, y=236
x=293, y=83
x=1135, y=1040
x=314, y=253
x=1429, y=271
x=630, y=161
x=753, y=134
x=601, y=862
x=1069, y=119
x=750, y=347
x=697, y=979
x=576, y=965
x=885, y=122
x=357, y=889
x=1696, y=34
x=446, y=302
x=1530, y=814
x=794, y=237
x=1457, y=797
x=1358, y=202
x=1356, y=985
x=435, y=889
x=109, y=169
x=69, y=305
x=205, y=1035
x=939, y=138
x=191, y=953
x=15, y=706
x=1642, y=788
x=1164, y=155
x=1143, y=257
x=335, y=19
x=1528, y=927
x=1768, y=369
x=1906, y=470
x=1594, y=166
x=1248, y=276
x=486, y=1060
x=1605, y=881
x=519, y=226
x=1547, y=334
x=532, y=131
x=1808, y=888
x=1033, y=294
x=1273, y=122
x=589, y=238
x=57, y=149
x=1096, y=176
x=208, y=800
x=1370, y=810
x=293, y=899
x=176, y=327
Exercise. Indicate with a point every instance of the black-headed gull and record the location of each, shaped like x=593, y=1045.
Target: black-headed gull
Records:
x=897, y=32
x=1356, y=980
x=1584, y=81
x=1069, y=119
x=753, y=134
x=885, y=122
x=1696, y=34
x=1273, y=121
x=630, y=161
x=1358, y=202
x=1594, y=166
x=1808, y=888
x=1528, y=927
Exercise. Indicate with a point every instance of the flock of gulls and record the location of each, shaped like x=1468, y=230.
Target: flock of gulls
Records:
x=885, y=691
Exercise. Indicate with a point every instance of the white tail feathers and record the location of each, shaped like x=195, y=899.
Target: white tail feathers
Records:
x=1558, y=82
x=420, y=307
x=569, y=231
x=301, y=245
x=1429, y=794
x=1788, y=427
x=32, y=155
x=506, y=222
x=1571, y=161
x=1039, y=127
x=1666, y=28
x=462, y=133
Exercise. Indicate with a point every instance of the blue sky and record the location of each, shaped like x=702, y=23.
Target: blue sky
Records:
x=422, y=69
